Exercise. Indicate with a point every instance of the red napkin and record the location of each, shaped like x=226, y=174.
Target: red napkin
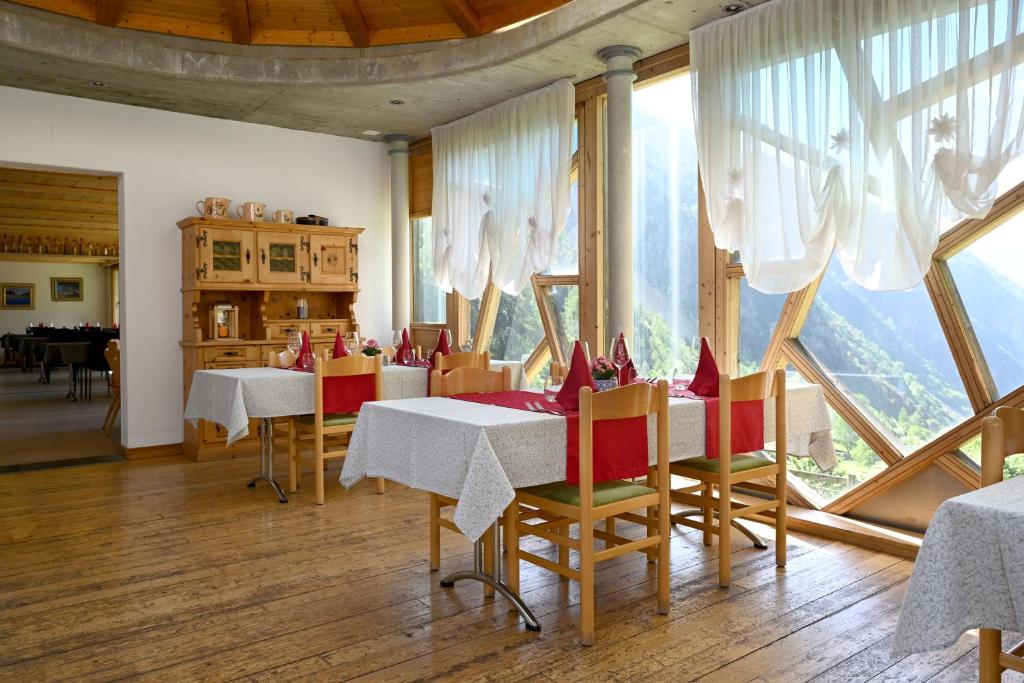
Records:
x=339, y=347
x=705, y=379
x=578, y=377
x=442, y=346
x=627, y=373
x=406, y=345
x=305, y=359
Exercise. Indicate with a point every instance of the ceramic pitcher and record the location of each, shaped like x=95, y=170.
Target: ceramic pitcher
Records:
x=251, y=211
x=213, y=207
x=283, y=216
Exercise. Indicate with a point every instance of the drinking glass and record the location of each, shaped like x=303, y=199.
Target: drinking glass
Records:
x=550, y=391
x=408, y=356
x=618, y=354
x=448, y=336
x=295, y=342
x=468, y=345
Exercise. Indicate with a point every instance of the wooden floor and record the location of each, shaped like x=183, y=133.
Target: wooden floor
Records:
x=38, y=424
x=164, y=570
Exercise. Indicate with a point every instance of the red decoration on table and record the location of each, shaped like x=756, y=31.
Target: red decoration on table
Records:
x=305, y=358
x=620, y=446
x=627, y=373
x=442, y=346
x=705, y=379
x=406, y=345
x=339, y=347
x=578, y=377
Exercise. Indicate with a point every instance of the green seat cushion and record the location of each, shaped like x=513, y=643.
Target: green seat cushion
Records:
x=605, y=493
x=331, y=419
x=740, y=463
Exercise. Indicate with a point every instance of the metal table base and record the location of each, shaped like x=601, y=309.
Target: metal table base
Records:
x=495, y=581
x=758, y=542
x=267, y=460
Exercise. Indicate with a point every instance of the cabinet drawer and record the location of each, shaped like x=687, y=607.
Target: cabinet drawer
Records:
x=230, y=354
x=329, y=328
x=281, y=330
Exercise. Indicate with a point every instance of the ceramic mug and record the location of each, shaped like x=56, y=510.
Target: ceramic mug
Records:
x=251, y=211
x=283, y=216
x=213, y=207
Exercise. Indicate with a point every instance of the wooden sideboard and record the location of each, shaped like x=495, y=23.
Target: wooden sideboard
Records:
x=263, y=269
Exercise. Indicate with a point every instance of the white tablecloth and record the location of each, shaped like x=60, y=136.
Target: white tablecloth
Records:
x=480, y=453
x=231, y=397
x=970, y=571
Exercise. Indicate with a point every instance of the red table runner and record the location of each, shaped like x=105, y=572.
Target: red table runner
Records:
x=620, y=446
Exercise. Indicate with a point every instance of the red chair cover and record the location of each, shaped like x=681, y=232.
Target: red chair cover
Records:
x=346, y=394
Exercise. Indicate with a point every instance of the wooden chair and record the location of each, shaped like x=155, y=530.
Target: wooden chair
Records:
x=464, y=359
x=561, y=505
x=319, y=428
x=462, y=381
x=280, y=359
x=112, y=353
x=1002, y=435
x=730, y=469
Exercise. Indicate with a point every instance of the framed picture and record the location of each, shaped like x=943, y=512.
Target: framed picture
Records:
x=66, y=288
x=18, y=295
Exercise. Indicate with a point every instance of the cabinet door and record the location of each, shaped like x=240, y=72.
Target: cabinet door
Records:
x=335, y=260
x=284, y=258
x=225, y=256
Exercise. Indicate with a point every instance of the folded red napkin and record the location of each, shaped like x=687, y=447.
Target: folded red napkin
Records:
x=339, y=347
x=705, y=379
x=578, y=377
x=442, y=346
x=406, y=345
x=306, y=358
x=627, y=373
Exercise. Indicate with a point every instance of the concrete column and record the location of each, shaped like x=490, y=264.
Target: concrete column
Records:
x=619, y=198
x=401, y=275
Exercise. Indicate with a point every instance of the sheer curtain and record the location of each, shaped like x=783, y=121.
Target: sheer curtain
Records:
x=501, y=191
x=853, y=125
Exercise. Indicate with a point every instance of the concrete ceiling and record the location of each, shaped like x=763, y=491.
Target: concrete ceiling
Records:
x=340, y=91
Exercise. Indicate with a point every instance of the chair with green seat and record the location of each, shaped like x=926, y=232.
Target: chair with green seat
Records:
x=560, y=505
x=730, y=469
x=322, y=430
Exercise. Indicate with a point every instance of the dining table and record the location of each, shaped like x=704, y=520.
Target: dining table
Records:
x=73, y=355
x=231, y=397
x=969, y=573
x=479, y=454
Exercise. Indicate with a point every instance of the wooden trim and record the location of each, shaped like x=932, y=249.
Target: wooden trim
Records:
x=590, y=117
x=791, y=322
x=735, y=269
x=145, y=452
x=540, y=357
x=650, y=69
x=108, y=12
x=463, y=15
x=558, y=280
x=963, y=342
x=489, y=301
x=552, y=328
x=354, y=21
x=859, y=421
x=963, y=234
x=960, y=468
x=238, y=20
x=106, y=261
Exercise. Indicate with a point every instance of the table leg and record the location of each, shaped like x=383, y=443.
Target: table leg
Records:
x=494, y=581
x=267, y=460
x=72, y=383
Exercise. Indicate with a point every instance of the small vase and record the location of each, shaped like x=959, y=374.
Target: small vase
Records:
x=606, y=384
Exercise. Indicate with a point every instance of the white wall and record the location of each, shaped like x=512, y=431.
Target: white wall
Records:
x=94, y=307
x=167, y=161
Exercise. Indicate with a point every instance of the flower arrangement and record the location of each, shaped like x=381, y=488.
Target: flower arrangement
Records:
x=372, y=348
x=602, y=368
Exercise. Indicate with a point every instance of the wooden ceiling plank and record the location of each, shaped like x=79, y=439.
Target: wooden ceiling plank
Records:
x=108, y=12
x=56, y=191
x=463, y=14
x=238, y=19
x=6, y=223
x=355, y=22
x=50, y=215
x=11, y=201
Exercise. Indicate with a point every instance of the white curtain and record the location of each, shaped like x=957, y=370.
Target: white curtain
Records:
x=501, y=191
x=859, y=125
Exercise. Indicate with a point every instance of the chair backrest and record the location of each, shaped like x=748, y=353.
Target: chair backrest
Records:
x=1002, y=435
x=751, y=387
x=347, y=366
x=280, y=359
x=632, y=400
x=558, y=373
x=470, y=381
x=463, y=359
x=112, y=353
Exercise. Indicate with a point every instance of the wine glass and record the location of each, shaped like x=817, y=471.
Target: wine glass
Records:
x=408, y=356
x=448, y=336
x=295, y=342
x=618, y=354
x=550, y=389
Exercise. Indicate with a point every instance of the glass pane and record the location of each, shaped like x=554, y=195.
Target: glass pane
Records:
x=517, y=328
x=665, y=226
x=887, y=351
x=1012, y=467
x=759, y=313
x=429, y=302
x=990, y=280
x=227, y=255
x=565, y=303
x=566, y=260
x=282, y=258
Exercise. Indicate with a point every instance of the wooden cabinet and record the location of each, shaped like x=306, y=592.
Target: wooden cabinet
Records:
x=334, y=260
x=225, y=256
x=284, y=258
x=263, y=269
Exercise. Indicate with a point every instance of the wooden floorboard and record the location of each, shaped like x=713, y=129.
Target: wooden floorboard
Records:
x=167, y=570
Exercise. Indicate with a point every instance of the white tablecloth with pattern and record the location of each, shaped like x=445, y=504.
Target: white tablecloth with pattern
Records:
x=480, y=453
x=970, y=571
x=231, y=397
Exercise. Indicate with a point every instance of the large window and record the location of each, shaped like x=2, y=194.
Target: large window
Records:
x=665, y=227
x=428, y=300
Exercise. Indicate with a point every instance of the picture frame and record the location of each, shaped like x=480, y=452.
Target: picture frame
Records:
x=66, y=289
x=18, y=295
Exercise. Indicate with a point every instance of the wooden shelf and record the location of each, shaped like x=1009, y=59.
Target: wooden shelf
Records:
x=106, y=261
